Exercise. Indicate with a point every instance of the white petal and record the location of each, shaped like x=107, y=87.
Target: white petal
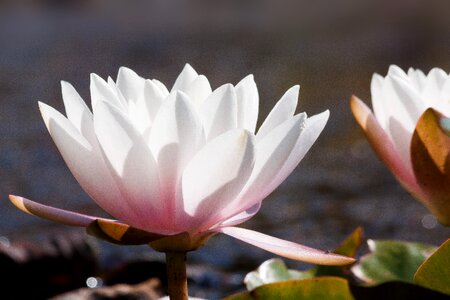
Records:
x=272, y=152
x=102, y=91
x=153, y=98
x=434, y=83
x=284, y=109
x=380, y=107
x=186, y=77
x=219, y=111
x=248, y=103
x=418, y=79
x=130, y=84
x=217, y=173
x=199, y=89
x=285, y=248
x=406, y=106
x=116, y=90
x=85, y=163
x=132, y=164
x=242, y=217
x=313, y=127
x=398, y=72
x=162, y=88
x=177, y=134
x=77, y=111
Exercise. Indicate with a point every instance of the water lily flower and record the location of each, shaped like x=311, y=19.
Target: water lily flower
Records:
x=409, y=130
x=176, y=167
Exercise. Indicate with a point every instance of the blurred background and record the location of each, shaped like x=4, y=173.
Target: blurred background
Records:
x=330, y=48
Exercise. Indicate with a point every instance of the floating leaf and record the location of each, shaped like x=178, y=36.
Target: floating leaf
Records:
x=330, y=288
x=391, y=260
x=434, y=273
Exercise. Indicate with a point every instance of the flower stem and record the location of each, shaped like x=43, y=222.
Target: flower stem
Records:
x=176, y=275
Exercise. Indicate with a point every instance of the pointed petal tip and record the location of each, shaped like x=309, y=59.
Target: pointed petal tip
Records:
x=286, y=248
x=51, y=213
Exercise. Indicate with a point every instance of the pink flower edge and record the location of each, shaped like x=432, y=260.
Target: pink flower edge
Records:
x=117, y=232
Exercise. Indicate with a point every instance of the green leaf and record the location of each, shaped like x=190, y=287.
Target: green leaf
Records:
x=391, y=260
x=330, y=288
x=434, y=273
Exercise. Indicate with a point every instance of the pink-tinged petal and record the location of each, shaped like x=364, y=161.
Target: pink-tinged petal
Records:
x=216, y=174
x=219, y=111
x=285, y=248
x=283, y=110
x=430, y=155
x=177, y=134
x=242, y=216
x=247, y=103
x=199, y=90
x=51, y=213
x=102, y=91
x=403, y=106
x=130, y=84
x=272, y=152
x=85, y=162
x=186, y=77
x=162, y=87
x=120, y=233
x=131, y=163
x=382, y=145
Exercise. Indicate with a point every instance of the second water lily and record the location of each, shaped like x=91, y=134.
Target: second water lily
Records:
x=410, y=129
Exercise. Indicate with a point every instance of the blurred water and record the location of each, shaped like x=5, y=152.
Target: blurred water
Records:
x=331, y=49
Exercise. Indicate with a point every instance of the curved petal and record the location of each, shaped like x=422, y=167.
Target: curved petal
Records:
x=76, y=109
x=199, y=89
x=51, y=213
x=247, y=103
x=176, y=136
x=285, y=248
x=219, y=111
x=312, y=128
x=417, y=78
x=379, y=103
x=162, y=87
x=186, y=77
x=283, y=110
x=85, y=162
x=242, y=216
x=272, y=152
x=217, y=173
x=132, y=164
x=382, y=145
x=102, y=91
x=153, y=98
x=130, y=84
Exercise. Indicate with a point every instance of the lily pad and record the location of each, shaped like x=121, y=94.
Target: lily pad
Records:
x=330, y=288
x=391, y=261
x=434, y=273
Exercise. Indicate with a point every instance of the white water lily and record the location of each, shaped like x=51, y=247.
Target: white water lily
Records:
x=184, y=163
x=408, y=131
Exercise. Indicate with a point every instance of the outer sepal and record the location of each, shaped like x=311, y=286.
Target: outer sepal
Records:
x=120, y=233
x=430, y=156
